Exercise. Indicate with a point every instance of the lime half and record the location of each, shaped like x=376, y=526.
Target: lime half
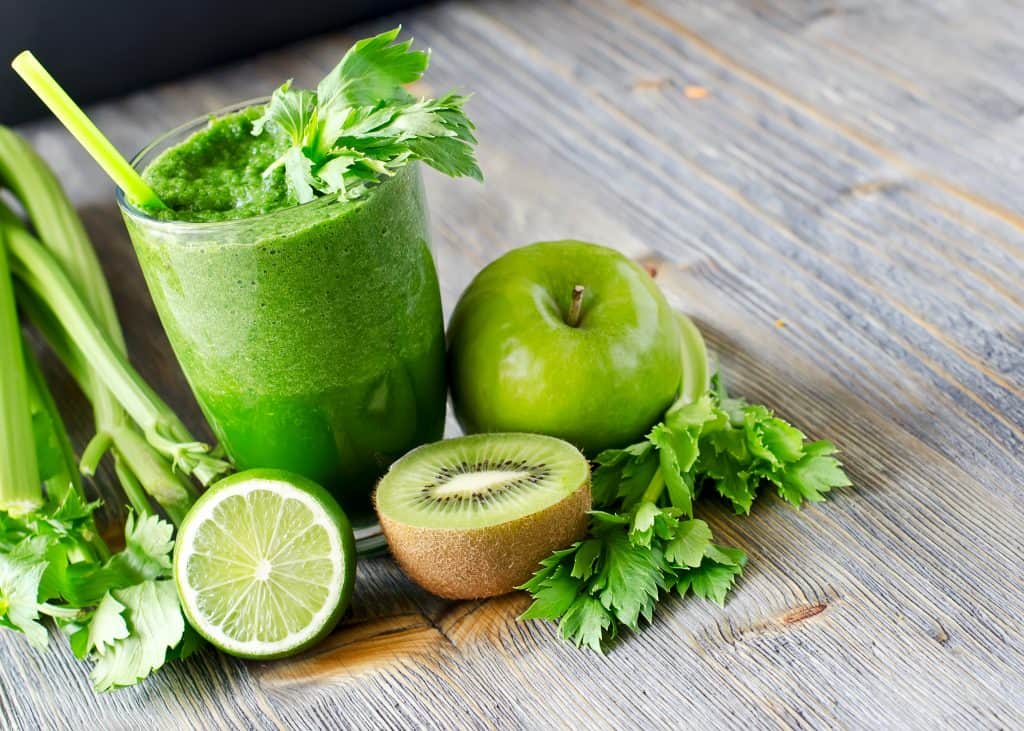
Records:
x=265, y=562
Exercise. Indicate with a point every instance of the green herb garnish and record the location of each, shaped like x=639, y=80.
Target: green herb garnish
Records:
x=724, y=444
x=121, y=612
x=361, y=124
x=644, y=541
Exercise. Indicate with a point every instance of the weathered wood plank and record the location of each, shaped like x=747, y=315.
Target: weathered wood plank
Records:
x=710, y=205
x=921, y=138
x=838, y=213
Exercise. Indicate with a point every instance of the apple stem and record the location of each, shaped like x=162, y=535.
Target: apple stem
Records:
x=576, y=307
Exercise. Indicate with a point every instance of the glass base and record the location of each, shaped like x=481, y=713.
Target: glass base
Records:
x=370, y=540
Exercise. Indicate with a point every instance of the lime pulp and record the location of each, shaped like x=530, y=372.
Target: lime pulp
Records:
x=264, y=562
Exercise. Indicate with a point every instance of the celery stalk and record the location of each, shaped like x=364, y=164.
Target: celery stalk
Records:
x=135, y=461
x=51, y=331
x=66, y=478
x=58, y=226
x=51, y=436
x=135, y=493
x=33, y=265
x=20, y=489
x=61, y=231
x=174, y=494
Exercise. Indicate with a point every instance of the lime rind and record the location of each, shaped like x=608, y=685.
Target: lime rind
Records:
x=263, y=566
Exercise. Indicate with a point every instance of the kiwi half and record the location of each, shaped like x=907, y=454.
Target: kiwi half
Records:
x=472, y=517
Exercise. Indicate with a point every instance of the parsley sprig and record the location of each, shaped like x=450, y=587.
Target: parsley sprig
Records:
x=361, y=124
x=723, y=444
x=121, y=612
x=644, y=541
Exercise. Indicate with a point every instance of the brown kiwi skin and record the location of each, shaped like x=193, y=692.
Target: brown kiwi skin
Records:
x=476, y=563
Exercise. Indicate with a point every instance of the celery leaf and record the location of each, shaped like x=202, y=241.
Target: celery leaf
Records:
x=372, y=71
x=643, y=541
x=361, y=125
x=106, y=627
x=21, y=572
x=155, y=625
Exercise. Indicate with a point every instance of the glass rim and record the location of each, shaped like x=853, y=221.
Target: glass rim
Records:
x=187, y=128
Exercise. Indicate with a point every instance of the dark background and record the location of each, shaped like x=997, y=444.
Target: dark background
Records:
x=102, y=48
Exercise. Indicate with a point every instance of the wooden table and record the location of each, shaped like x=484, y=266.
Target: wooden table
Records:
x=834, y=191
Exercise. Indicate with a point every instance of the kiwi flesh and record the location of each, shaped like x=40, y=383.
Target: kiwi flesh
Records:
x=473, y=517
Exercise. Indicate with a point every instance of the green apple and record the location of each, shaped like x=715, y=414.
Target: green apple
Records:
x=564, y=338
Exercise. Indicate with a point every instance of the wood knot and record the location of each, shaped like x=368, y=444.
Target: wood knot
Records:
x=801, y=613
x=650, y=84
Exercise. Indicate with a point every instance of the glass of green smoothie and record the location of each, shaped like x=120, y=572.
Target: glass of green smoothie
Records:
x=290, y=264
x=311, y=334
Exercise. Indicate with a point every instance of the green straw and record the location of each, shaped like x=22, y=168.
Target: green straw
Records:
x=83, y=130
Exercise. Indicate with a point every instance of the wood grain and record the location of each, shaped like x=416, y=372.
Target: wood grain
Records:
x=832, y=190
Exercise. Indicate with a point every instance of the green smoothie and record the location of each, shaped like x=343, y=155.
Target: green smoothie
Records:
x=217, y=174
x=311, y=334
